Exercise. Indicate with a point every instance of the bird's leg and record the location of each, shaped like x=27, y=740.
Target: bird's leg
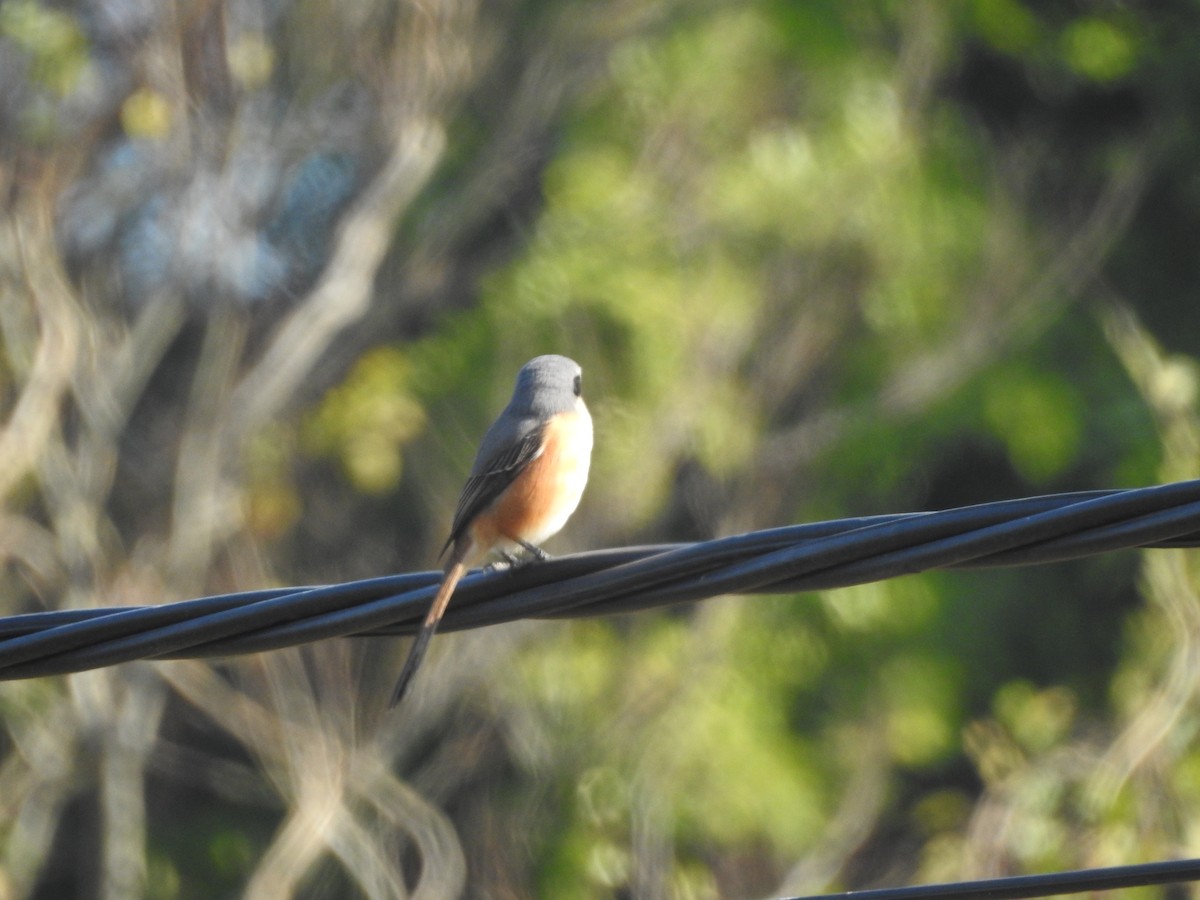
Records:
x=504, y=563
x=536, y=552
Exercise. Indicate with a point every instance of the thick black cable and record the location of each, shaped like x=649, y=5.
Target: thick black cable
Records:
x=1175, y=871
x=791, y=559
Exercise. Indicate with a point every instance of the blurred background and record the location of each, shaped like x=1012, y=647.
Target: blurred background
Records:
x=268, y=269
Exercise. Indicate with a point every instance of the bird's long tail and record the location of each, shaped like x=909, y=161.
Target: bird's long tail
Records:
x=455, y=569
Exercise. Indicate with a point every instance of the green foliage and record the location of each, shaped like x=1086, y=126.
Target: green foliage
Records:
x=1007, y=25
x=1038, y=720
x=1038, y=417
x=57, y=48
x=1099, y=49
x=368, y=420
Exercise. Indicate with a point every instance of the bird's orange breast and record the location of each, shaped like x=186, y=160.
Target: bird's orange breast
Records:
x=541, y=499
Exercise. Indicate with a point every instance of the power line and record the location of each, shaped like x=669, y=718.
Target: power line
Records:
x=783, y=560
x=797, y=558
x=1174, y=871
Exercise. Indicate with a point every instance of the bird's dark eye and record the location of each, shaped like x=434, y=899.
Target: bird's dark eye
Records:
x=578, y=385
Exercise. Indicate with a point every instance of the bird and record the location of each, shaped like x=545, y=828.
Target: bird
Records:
x=527, y=480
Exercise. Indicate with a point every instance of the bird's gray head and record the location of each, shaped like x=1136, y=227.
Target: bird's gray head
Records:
x=547, y=385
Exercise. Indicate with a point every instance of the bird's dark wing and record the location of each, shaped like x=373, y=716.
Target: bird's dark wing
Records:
x=492, y=474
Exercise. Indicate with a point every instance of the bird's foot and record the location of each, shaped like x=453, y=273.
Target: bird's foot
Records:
x=509, y=561
x=535, y=552
x=505, y=563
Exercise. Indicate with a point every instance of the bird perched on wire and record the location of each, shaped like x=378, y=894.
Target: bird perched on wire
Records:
x=527, y=479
